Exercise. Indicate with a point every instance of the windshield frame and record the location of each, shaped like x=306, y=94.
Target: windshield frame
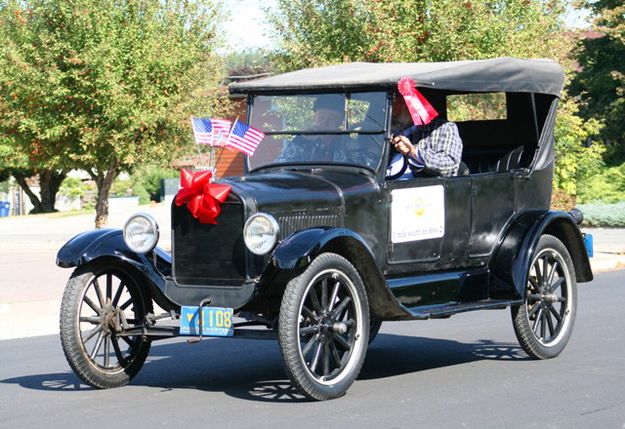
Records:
x=384, y=132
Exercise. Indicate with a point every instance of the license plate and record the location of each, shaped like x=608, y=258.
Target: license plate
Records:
x=216, y=321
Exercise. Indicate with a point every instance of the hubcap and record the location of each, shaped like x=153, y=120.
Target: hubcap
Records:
x=330, y=326
x=548, y=303
x=106, y=304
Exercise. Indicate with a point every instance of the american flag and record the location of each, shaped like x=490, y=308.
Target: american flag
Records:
x=244, y=138
x=211, y=132
x=221, y=129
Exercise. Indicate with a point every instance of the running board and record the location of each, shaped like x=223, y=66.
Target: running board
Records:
x=164, y=332
x=449, y=309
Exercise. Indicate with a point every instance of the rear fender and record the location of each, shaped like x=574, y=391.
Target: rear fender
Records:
x=153, y=267
x=295, y=254
x=515, y=252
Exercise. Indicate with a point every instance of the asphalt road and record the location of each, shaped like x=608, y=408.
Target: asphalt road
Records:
x=467, y=371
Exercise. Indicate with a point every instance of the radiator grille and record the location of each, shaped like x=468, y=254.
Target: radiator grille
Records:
x=209, y=254
x=289, y=223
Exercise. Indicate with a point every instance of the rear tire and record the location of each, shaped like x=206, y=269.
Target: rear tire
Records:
x=324, y=327
x=96, y=299
x=544, y=322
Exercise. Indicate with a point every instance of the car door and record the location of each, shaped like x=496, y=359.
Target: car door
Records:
x=429, y=224
x=493, y=205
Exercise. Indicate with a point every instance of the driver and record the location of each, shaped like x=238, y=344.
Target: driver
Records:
x=329, y=116
x=434, y=149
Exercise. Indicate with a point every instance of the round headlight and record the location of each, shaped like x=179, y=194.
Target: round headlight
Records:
x=141, y=233
x=261, y=233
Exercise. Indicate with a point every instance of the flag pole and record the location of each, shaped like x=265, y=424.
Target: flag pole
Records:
x=212, y=147
x=196, y=143
x=227, y=140
x=231, y=130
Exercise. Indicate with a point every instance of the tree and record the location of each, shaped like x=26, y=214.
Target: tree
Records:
x=104, y=85
x=600, y=83
x=316, y=32
x=249, y=62
x=28, y=146
x=575, y=163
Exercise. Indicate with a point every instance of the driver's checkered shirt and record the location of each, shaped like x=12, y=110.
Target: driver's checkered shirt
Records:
x=439, y=148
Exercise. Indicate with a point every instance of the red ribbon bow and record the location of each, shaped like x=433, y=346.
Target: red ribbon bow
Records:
x=420, y=109
x=202, y=197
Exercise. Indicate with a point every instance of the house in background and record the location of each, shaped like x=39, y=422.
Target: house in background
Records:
x=229, y=162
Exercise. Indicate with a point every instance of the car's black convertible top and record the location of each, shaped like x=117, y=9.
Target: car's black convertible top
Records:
x=540, y=76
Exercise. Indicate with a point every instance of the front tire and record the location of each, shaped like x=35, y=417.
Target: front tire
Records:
x=544, y=322
x=99, y=300
x=324, y=327
x=374, y=328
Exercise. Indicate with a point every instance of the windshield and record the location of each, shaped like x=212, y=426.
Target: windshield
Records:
x=320, y=128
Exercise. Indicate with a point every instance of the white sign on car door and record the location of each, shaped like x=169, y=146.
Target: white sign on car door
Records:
x=417, y=213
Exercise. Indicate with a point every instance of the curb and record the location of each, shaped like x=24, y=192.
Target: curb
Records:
x=607, y=262
x=29, y=319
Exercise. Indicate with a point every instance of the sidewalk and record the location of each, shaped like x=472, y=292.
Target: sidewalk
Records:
x=31, y=285
x=609, y=246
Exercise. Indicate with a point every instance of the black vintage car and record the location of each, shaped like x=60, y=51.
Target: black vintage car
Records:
x=317, y=250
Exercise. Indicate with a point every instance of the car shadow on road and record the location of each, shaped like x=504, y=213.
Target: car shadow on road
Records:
x=252, y=370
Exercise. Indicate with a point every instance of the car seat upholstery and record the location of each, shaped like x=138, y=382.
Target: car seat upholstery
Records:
x=491, y=161
x=510, y=161
x=463, y=169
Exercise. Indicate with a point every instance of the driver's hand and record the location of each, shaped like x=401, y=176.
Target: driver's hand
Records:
x=403, y=145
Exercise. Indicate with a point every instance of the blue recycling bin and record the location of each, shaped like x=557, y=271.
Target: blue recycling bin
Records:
x=5, y=208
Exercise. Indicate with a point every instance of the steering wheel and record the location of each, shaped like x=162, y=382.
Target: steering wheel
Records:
x=401, y=171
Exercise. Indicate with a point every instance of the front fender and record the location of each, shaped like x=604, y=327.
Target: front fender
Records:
x=90, y=245
x=299, y=249
x=295, y=253
x=155, y=266
x=516, y=250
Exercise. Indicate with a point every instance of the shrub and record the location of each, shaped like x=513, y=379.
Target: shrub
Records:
x=562, y=200
x=139, y=191
x=607, y=187
x=73, y=187
x=5, y=185
x=121, y=188
x=149, y=178
x=610, y=215
x=145, y=183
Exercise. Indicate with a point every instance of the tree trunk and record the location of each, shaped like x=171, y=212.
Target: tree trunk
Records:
x=21, y=180
x=104, y=181
x=50, y=182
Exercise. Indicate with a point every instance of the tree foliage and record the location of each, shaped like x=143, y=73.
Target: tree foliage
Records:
x=249, y=62
x=575, y=163
x=606, y=187
x=316, y=32
x=104, y=85
x=601, y=81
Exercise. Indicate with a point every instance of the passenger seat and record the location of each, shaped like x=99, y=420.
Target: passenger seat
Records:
x=511, y=160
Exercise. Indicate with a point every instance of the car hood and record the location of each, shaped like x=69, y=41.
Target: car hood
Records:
x=299, y=191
